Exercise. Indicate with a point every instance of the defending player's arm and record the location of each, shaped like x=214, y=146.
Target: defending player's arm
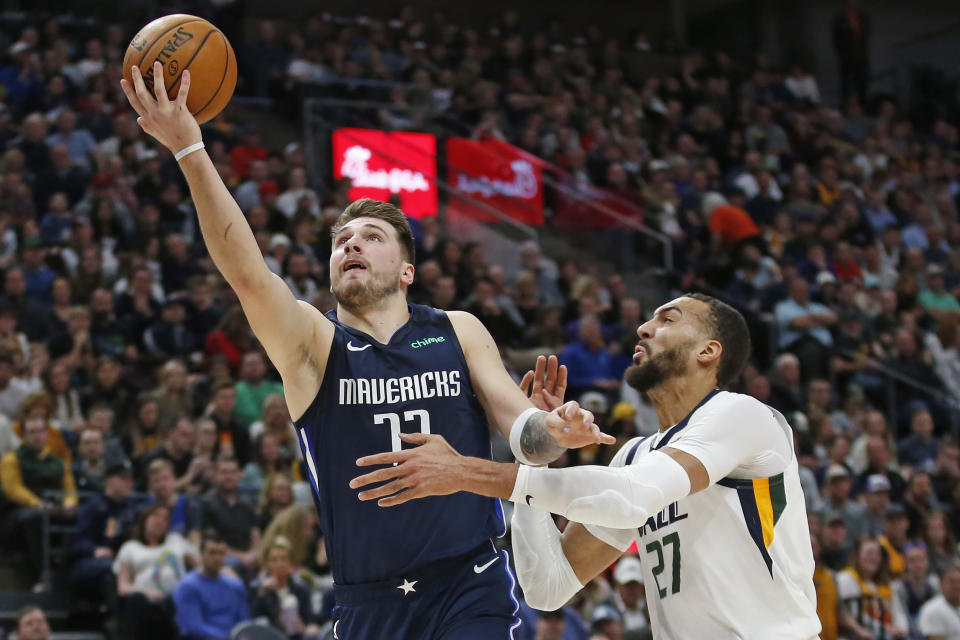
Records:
x=718, y=439
x=536, y=436
x=286, y=327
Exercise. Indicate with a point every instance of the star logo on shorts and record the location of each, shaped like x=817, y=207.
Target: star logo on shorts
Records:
x=407, y=586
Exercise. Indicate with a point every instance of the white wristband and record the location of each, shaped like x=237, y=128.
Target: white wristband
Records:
x=180, y=155
x=516, y=430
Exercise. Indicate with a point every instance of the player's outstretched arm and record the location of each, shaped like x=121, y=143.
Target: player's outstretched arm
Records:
x=283, y=325
x=536, y=436
x=615, y=497
x=552, y=568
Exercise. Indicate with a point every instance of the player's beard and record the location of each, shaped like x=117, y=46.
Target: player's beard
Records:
x=658, y=368
x=360, y=295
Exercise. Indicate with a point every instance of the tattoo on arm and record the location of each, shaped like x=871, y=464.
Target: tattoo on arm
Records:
x=536, y=443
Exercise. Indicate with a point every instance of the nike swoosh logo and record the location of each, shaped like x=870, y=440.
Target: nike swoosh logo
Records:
x=480, y=568
x=353, y=348
x=335, y=635
x=529, y=497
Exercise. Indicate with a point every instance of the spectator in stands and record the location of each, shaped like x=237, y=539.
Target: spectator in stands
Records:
x=233, y=520
x=30, y=314
x=231, y=338
x=787, y=389
x=938, y=616
x=253, y=388
x=804, y=329
x=588, y=361
x=629, y=598
x=876, y=498
x=919, y=449
x=544, y=271
x=170, y=337
x=836, y=495
x=185, y=514
x=108, y=390
x=103, y=522
x=482, y=302
x=174, y=395
x=919, y=502
x=26, y=475
x=916, y=586
x=32, y=624
x=866, y=598
x=233, y=437
x=89, y=469
x=275, y=420
x=279, y=595
x=828, y=607
x=149, y=567
x=879, y=462
x=80, y=143
x=210, y=602
x=941, y=542
x=142, y=432
x=894, y=538
x=275, y=495
x=296, y=524
x=298, y=197
x=14, y=390
x=176, y=448
x=67, y=416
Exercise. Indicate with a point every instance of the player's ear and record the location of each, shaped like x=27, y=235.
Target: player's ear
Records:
x=406, y=276
x=710, y=351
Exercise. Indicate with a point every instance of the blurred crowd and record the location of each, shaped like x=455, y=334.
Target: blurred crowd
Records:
x=138, y=410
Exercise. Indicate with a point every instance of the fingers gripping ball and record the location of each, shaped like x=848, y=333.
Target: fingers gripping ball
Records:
x=179, y=42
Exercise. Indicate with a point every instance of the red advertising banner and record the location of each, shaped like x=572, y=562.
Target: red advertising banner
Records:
x=496, y=174
x=381, y=164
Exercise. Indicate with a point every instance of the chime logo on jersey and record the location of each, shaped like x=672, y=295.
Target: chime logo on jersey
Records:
x=430, y=384
x=666, y=517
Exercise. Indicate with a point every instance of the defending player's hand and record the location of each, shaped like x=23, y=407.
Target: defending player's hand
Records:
x=431, y=469
x=549, y=381
x=169, y=121
x=573, y=427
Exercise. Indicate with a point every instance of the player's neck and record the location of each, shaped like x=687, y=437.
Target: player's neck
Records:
x=380, y=320
x=677, y=397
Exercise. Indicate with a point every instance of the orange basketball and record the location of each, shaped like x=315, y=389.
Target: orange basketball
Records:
x=179, y=42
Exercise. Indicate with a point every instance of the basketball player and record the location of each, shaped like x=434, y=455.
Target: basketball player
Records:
x=358, y=378
x=713, y=500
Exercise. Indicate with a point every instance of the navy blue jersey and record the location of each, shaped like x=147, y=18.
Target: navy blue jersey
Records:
x=371, y=392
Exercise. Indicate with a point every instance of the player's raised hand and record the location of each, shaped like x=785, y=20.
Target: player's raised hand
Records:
x=169, y=121
x=431, y=469
x=573, y=427
x=546, y=384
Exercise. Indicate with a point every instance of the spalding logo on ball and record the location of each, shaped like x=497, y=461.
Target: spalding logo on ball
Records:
x=179, y=42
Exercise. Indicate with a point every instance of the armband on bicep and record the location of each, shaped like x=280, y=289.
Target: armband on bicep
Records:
x=530, y=441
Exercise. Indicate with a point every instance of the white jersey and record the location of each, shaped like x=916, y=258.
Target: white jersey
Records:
x=733, y=560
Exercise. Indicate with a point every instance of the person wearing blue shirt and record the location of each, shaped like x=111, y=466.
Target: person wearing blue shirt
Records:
x=103, y=523
x=803, y=327
x=210, y=603
x=588, y=360
x=80, y=143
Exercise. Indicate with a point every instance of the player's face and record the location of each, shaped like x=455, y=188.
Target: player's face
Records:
x=367, y=263
x=667, y=345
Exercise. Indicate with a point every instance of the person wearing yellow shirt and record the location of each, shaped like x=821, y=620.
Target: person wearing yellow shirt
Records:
x=26, y=474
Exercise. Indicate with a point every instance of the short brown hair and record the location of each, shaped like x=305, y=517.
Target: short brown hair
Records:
x=726, y=325
x=389, y=213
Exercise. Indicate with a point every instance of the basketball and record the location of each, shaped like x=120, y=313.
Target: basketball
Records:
x=180, y=42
